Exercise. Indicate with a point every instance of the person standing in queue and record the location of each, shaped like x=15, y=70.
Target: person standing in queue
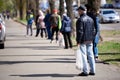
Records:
x=55, y=21
x=84, y=38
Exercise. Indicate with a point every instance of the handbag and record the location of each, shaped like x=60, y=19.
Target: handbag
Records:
x=79, y=61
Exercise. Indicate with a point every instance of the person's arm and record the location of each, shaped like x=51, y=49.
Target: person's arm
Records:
x=79, y=31
x=97, y=25
x=59, y=22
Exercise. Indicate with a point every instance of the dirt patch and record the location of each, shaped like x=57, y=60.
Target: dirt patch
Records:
x=111, y=35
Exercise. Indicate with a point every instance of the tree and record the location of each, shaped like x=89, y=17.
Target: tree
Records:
x=70, y=13
x=37, y=6
x=94, y=4
x=6, y=5
x=61, y=8
x=2, y=5
x=21, y=9
x=52, y=4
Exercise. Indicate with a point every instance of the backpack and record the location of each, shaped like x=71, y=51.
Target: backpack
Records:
x=54, y=20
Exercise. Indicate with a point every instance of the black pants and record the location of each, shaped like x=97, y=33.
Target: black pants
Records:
x=43, y=30
x=67, y=39
x=38, y=29
x=53, y=31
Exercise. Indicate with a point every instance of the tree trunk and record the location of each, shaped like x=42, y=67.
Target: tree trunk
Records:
x=37, y=6
x=52, y=5
x=21, y=9
x=62, y=10
x=94, y=4
x=78, y=2
x=70, y=13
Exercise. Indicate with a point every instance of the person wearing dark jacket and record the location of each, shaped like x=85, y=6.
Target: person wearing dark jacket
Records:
x=66, y=31
x=37, y=26
x=95, y=16
x=84, y=37
x=47, y=23
x=55, y=21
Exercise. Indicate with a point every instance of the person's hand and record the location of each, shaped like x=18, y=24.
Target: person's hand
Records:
x=78, y=44
x=101, y=38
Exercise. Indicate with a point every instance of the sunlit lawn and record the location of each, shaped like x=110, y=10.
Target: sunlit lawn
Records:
x=109, y=51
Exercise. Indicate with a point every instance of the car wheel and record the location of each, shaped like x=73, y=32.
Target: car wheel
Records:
x=118, y=21
x=2, y=46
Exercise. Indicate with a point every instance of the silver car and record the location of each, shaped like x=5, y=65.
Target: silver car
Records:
x=2, y=32
x=109, y=15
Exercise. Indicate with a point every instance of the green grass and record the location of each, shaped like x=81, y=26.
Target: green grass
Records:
x=109, y=47
x=23, y=21
x=110, y=52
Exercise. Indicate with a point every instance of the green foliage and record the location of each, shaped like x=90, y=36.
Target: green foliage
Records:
x=109, y=1
x=2, y=5
x=6, y=5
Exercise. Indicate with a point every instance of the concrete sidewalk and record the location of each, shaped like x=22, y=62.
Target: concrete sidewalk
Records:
x=34, y=58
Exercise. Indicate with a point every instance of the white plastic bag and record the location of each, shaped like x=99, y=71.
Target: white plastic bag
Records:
x=79, y=61
x=61, y=40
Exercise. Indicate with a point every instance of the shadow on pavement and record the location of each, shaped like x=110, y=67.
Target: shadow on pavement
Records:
x=46, y=75
x=35, y=47
x=112, y=60
x=21, y=62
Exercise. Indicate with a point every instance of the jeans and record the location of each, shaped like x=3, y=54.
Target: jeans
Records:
x=29, y=26
x=48, y=31
x=95, y=43
x=88, y=57
x=95, y=50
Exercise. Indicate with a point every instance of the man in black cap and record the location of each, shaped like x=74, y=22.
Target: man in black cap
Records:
x=84, y=38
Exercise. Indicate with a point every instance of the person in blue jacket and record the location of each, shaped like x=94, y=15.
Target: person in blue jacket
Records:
x=30, y=20
x=66, y=30
x=96, y=40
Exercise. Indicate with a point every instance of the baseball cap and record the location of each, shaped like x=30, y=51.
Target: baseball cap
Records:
x=82, y=8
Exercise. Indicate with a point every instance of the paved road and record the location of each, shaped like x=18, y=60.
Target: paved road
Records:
x=110, y=26
x=31, y=58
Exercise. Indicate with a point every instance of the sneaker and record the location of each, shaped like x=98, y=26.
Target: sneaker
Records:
x=51, y=41
x=82, y=74
x=65, y=47
x=97, y=60
x=92, y=74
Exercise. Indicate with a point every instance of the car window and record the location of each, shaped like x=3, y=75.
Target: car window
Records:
x=108, y=12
